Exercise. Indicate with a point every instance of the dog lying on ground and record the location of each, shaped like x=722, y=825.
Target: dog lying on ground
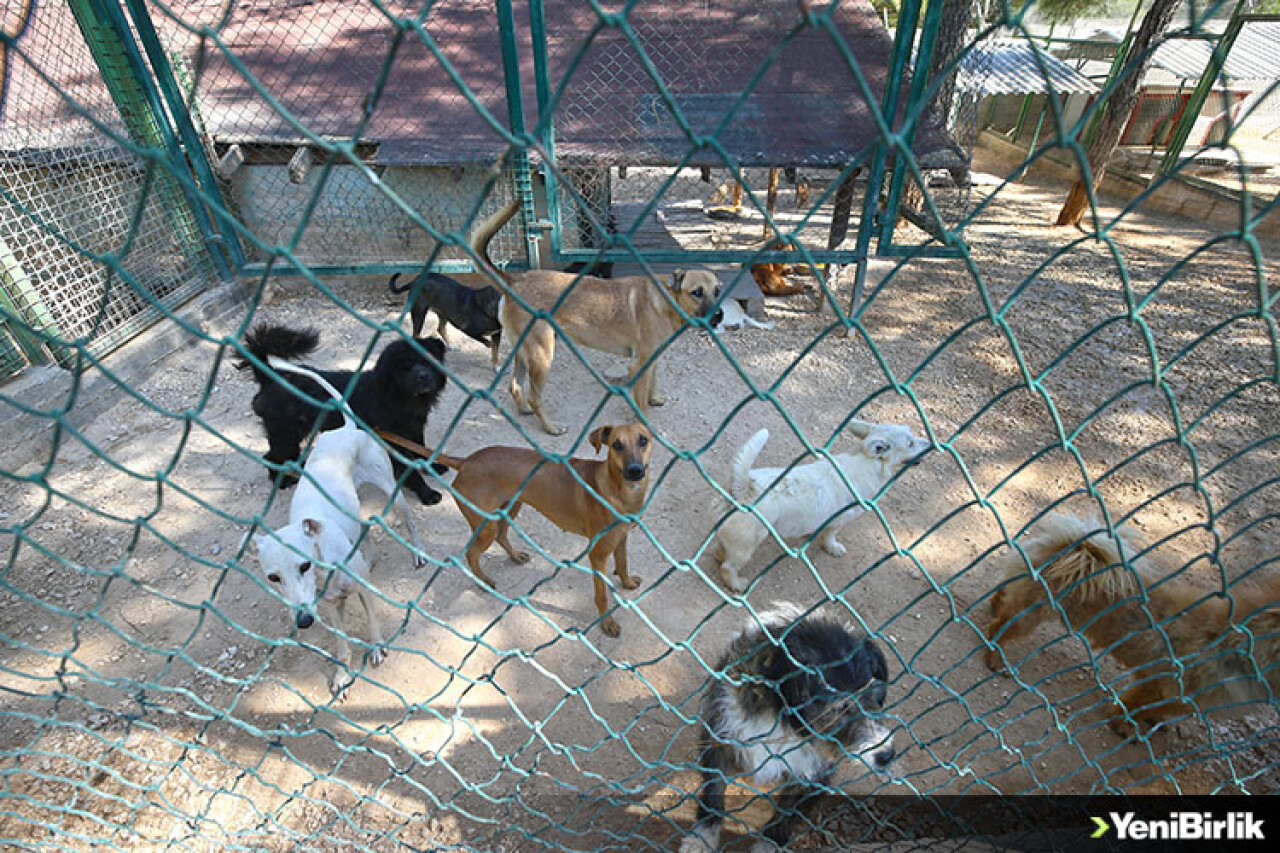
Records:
x=771, y=278
x=315, y=559
x=1138, y=618
x=473, y=311
x=792, y=697
x=506, y=478
x=624, y=316
x=396, y=395
x=732, y=317
x=811, y=497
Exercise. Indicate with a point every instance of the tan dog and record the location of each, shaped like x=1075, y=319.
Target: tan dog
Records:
x=624, y=316
x=497, y=478
x=1138, y=619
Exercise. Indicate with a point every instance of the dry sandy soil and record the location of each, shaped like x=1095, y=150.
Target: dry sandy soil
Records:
x=155, y=695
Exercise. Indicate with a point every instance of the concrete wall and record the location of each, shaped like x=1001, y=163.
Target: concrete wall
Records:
x=1215, y=206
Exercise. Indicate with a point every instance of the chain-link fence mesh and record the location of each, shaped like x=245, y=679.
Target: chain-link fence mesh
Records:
x=157, y=692
x=74, y=194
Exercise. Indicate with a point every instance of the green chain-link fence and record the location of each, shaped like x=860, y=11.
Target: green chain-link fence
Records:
x=155, y=693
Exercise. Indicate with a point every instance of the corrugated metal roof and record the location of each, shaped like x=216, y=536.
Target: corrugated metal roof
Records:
x=1008, y=67
x=1254, y=56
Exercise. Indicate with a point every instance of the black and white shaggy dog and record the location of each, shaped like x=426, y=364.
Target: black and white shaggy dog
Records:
x=396, y=395
x=795, y=694
x=473, y=310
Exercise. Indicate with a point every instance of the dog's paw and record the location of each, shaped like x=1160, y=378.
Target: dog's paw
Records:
x=656, y=400
x=609, y=626
x=764, y=845
x=521, y=557
x=428, y=496
x=631, y=582
x=338, y=686
x=419, y=561
x=732, y=579
x=701, y=839
x=377, y=655
x=834, y=548
x=553, y=429
x=995, y=661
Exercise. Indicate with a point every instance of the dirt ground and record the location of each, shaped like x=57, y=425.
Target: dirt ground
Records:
x=155, y=696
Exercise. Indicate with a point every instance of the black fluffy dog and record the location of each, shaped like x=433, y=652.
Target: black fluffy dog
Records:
x=474, y=311
x=396, y=395
x=786, y=707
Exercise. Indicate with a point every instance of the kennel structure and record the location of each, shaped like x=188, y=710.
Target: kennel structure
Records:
x=330, y=137
x=155, y=693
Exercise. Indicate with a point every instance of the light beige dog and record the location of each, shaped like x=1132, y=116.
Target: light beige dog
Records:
x=628, y=316
x=811, y=497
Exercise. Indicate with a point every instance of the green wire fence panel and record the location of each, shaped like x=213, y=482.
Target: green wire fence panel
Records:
x=84, y=196
x=157, y=691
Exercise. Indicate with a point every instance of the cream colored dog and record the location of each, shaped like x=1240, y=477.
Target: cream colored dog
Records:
x=811, y=497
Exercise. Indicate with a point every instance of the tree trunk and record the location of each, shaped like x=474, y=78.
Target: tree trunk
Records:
x=951, y=32
x=1119, y=107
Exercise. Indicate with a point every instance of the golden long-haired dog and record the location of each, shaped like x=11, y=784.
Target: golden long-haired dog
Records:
x=1188, y=648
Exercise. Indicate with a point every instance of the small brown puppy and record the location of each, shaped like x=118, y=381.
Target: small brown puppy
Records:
x=1222, y=644
x=496, y=478
x=628, y=316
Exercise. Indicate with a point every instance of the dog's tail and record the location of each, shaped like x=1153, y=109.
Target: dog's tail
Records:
x=392, y=285
x=420, y=450
x=281, y=364
x=1078, y=558
x=266, y=340
x=743, y=460
x=485, y=233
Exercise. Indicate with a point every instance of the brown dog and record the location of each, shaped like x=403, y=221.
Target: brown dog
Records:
x=772, y=278
x=1221, y=643
x=507, y=478
x=625, y=316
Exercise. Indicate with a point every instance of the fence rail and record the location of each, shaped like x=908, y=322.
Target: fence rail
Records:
x=157, y=687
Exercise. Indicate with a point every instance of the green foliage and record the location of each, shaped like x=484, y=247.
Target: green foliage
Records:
x=1059, y=11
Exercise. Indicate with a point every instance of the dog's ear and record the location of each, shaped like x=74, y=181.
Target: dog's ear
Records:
x=859, y=429
x=311, y=527
x=600, y=437
x=677, y=278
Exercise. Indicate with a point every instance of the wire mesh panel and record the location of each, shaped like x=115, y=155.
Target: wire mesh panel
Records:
x=1009, y=526
x=279, y=83
x=92, y=234
x=685, y=113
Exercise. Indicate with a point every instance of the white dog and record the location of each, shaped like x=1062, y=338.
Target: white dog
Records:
x=315, y=559
x=809, y=496
x=733, y=317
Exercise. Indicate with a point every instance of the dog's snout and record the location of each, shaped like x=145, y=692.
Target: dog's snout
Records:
x=882, y=756
x=305, y=619
x=717, y=317
x=633, y=471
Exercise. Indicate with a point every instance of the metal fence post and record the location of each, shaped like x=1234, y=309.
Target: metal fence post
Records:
x=193, y=145
x=127, y=79
x=515, y=113
x=1191, y=112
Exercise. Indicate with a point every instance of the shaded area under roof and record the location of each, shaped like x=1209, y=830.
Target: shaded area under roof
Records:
x=806, y=106
x=1009, y=67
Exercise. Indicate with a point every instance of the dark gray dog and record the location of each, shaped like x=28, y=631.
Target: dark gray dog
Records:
x=474, y=311
x=785, y=707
